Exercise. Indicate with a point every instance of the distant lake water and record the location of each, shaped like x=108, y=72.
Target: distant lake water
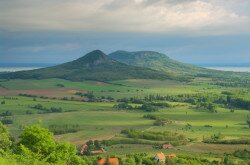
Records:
x=227, y=68
x=14, y=69
x=234, y=69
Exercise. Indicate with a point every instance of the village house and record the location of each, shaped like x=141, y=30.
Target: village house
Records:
x=167, y=146
x=98, y=151
x=113, y=161
x=160, y=157
x=83, y=148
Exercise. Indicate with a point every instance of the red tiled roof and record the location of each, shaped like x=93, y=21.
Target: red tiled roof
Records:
x=171, y=155
x=160, y=156
x=97, y=151
x=113, y=161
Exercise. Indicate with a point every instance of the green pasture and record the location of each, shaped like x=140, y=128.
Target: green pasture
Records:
x=99, y=120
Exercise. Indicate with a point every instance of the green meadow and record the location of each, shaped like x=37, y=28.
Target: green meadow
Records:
x=101, y=121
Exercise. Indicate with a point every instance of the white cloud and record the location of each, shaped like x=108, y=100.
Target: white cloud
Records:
x=163, y=16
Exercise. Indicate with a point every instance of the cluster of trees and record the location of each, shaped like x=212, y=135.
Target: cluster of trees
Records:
x=60, y=85
x=6, y=117
x=209, y=107
x=243, y=154
x=89, y=94
x=146, y=100
x=146, y=106
x=219, y=139
x=237, y=102
x=33, y=96
x=159, y=121
x=206, y=101
x=143, y=107
x=92, y=98
x=10, y=98
x=157, y=136
x=63, y=129
x=232, y=83
x=43, y=109
x=6, y=113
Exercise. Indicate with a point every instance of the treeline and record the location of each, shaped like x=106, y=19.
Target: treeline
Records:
x=219, y=139
x=63, y=129
x=238, y=102
x=146, y=106
x=173, y=137
x=239, y=82
x=243, y=154
x=207, y=101
x=92, y=98
x=43, y=109
x=159, y=121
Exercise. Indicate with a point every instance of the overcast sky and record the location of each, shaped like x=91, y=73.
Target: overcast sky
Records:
x=193, y=31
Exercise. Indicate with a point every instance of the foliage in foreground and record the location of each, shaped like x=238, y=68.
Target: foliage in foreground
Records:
x=36, y=146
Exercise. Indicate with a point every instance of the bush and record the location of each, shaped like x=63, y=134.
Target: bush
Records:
x=149, y=116
x=123, y=106
x=158, y=136
x=148, y=108
x=6, y=113
x=63, y=129
x=7, y=121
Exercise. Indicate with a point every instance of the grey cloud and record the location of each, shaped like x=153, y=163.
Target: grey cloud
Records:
x=158, y=16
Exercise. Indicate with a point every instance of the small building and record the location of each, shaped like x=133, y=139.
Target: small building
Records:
x=113, y=161
x=160, y=157
x=97, y=151
x=167, y=146
x=83, y=148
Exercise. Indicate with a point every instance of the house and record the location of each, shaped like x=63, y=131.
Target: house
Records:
x=160, y=157
x=112, y=161
x=83, y=148
x=97, y=151
x=167, y=146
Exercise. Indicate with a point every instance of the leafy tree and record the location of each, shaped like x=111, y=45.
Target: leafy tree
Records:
x=38, y=140
x=6, y=140
x=37, y=143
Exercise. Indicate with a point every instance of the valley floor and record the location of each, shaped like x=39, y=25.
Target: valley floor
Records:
x=55, y=104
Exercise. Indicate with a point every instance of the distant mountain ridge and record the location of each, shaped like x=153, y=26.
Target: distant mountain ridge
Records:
x=179, y=70
x=157, y=61
x=93, y=66
x=121, y=65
